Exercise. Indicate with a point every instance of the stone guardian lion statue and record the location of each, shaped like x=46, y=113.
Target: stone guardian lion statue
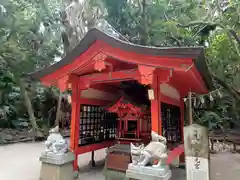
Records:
x=55, y=143
x=155, y=150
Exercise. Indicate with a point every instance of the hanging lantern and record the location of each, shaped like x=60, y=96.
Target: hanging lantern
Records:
x=184, y=99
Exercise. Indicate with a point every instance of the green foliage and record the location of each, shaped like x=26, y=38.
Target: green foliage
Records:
x=212, y=24
x=30, y=39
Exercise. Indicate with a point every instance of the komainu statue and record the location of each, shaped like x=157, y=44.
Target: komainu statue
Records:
x=55, y=143
x=155, y=150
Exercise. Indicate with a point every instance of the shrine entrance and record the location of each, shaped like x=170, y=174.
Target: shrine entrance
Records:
x=126, y=119
x=134, y=113
x=120, y=92
x=171, y=119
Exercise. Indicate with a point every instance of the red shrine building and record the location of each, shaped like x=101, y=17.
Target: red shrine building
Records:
x=122, y=91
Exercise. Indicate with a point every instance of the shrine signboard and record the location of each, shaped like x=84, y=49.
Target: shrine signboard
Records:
x=196, y=150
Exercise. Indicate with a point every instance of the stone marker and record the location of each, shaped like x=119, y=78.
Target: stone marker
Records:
x=57, y=167
x=196, y=152
x=57, y=161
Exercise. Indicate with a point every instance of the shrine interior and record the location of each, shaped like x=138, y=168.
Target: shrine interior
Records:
x=105, y=125
x=115, y=121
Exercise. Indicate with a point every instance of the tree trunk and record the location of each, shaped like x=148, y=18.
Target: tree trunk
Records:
x=36, y=132
x=28, y=104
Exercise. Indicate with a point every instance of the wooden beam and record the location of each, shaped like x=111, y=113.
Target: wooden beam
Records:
x=164, y=75
x=63, y=83
x=116, y=76
x=106, y=87
x=95, y=102
x=169, y=100
x=94, y=147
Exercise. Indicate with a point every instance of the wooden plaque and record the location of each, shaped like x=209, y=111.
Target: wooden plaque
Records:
x=151, y=94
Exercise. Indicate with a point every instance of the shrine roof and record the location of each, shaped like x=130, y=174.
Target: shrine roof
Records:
x=194, y=53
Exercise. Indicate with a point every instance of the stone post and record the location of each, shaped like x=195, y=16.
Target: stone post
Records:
x=57, y=167
x=57, y=161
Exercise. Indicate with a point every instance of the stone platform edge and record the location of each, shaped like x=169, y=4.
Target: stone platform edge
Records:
x=142, y=176
x=50, y=158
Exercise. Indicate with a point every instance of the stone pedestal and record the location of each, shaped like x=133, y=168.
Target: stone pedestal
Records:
x=57, y=167
x=148, y=172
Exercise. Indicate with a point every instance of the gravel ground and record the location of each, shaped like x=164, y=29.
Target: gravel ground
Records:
x=21, y=162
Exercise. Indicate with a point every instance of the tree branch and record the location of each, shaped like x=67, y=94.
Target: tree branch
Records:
x=234, y=34
x=231, y=90
x=175, y=39
x=172, y=36
x=195, y=23
x=230, y=32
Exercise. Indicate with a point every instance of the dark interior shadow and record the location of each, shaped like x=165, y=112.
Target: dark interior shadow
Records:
x=89, y=168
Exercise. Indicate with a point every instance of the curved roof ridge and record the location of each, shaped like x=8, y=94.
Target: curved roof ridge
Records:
x=195, y=53
x=144, y=46
x=98, y=32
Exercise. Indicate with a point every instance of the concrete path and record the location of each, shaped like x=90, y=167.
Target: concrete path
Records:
x=20, y=162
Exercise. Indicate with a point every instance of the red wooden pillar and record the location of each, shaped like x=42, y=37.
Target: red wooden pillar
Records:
x=156, y=118
x=75, y=120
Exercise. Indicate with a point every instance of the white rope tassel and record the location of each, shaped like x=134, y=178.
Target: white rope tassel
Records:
x=219, y=94
x=195, y=102
x=211, y=97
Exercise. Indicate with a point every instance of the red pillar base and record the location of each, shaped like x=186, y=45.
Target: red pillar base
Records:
x=75, y=163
